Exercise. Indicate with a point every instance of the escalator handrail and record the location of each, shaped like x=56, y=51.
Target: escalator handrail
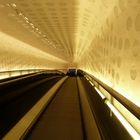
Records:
x=7, y=97
x=15, y=77
x=20, y=78
x=133, y=108
x=19, y=131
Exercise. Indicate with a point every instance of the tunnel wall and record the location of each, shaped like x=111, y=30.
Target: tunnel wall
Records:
x=110, y=53
x=17, y=55
x=113, y=56
x=21, y=47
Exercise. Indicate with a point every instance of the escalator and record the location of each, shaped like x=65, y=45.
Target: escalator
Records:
x=18, y=95
x=73, y=111
x=73, y=115
x=62, y=118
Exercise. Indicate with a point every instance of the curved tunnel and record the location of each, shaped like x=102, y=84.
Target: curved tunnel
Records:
x=72, y=67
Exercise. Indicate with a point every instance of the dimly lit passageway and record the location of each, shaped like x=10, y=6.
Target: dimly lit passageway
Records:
x=70, y=70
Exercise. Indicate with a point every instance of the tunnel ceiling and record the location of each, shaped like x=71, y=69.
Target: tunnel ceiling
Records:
x=62, y=28
x=101, y=37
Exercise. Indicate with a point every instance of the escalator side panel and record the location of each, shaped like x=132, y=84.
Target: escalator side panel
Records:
x=109, y=125
x=14, y=110
x=91, y=129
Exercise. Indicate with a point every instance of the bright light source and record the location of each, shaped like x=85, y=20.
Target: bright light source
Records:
x=8, y=5
x=100, y=93
x=31, y=24
x=25, y=18
x=91, y=83
x=27, y=21
x=87, y=78
x=20, y=14
x=13, y=5
x=124, y=122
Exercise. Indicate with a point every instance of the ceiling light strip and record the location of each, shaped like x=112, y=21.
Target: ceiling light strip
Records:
x=35, y=29
x=100, y=93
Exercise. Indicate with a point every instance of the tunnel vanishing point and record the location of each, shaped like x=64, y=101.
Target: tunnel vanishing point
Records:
x=70, y=69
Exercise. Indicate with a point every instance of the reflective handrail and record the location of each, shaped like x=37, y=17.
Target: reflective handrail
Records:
x=134, y=109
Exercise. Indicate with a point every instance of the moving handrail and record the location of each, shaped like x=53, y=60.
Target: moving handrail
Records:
x=10, y=89
x=15, y=77
x=20, y=78
x=24, y=70
x=15, y=104
x=19, y=131
x=18, y=91
x=134, y=109
x=34, y=74
x=17, y=81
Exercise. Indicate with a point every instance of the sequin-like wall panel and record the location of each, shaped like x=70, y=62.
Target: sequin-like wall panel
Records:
x=101, y=37
x=17, y=55
x=113, y=56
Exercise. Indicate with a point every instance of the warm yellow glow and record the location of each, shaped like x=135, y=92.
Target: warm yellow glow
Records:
x=100, y=93
x=91, y=83
x=18, y=46
x=18, y=52
x=90, y=19
x=133, y=120
x=4, y=75
x=124, y=92
x=113, y=54
x=124, y=122
x=101, y=37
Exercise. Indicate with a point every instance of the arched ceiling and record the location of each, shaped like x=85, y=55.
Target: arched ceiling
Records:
x=62, y=28
x=101, y=37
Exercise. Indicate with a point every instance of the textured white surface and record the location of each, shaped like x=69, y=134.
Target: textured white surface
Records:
x=101, y=37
